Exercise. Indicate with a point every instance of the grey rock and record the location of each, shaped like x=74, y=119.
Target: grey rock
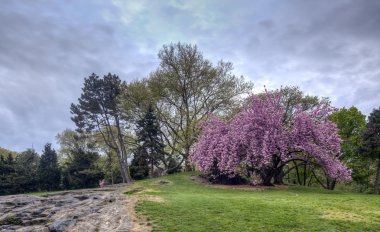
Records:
x=59, y=226
x=22, y=214
x=81, y=198
x=38, y=211
x=162, y=182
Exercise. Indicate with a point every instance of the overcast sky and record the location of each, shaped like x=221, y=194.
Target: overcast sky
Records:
x=328, y=48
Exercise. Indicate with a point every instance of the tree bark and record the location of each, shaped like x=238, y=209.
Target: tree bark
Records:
x=304, y=174
x=267, y=176
x=279, y=176
x=151, y=167
x=332, y=184
x=188, y=166
x=320, y=182
x=124, y=155
x=376, y=184
x=122, y=168
x=297, y=173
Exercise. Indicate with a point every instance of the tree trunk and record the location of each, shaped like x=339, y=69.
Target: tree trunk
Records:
x=309, y=183
x=151, y=167
x=331, y=185
x=267, y=180
x=123, y=150
x=188, y=166
x=267, y=176
x=124, y=164
x=304, y=174
x=127, y=172
x=122, y=168
x=279, y=176
x=316, y=178
x=297, y=173
x=376, y=184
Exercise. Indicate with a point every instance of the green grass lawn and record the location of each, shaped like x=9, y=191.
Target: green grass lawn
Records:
x=191, y=206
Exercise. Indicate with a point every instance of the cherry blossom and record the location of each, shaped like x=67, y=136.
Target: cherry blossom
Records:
x=258, y=139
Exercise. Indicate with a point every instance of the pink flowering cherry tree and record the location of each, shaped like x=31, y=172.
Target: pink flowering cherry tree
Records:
x=259, y=142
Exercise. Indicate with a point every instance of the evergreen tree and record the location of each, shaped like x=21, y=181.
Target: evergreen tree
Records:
x=26, y=169
x=6, y=165
x=149, y=141
x=99, y=111
x=10, y=159
x=48, y=171
x=371, y=142
x=140, y=164
x=81, y=171
x=7, y=173
x=18, y=172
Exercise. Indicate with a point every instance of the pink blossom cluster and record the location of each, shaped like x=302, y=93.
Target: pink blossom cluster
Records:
x=258, y=137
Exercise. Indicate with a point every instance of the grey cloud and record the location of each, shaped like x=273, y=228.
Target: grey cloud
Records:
x=43, y=61
x=328, y=48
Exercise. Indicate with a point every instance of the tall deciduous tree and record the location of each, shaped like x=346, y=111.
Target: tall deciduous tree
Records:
x=351, y=123
x=48, y=170
x=99, y=110
x=371, y=142
x=189, y=88
x=257, y=141
x=70, y=140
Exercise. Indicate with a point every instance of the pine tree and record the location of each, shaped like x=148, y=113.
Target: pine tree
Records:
x=26, y=168
x=99, y=111
x=140, y=164
x=48, y=171
x=7, y=173
x=149, y=140
x=371, y=142
x=81, y=170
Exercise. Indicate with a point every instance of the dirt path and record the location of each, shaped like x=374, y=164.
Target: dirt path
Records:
x=85, y=210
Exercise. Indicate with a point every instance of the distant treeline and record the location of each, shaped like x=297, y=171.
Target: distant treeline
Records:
x=29, y=172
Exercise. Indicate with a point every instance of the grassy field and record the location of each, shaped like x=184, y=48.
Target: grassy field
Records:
x=190, y=206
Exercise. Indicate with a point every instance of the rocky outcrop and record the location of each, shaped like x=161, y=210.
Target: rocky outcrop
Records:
x=85, y=210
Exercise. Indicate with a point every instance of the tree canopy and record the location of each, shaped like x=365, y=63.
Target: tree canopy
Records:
x=49, y=173
x=99, y=110
x=188, y=87
x=257, y=140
